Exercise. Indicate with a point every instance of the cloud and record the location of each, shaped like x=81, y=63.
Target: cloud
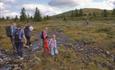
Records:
x=2, y=6
x=4, y=9
x=7, y=1
x=101, y=5
x=69, y=3
x=44, y=9
x=112, y=2
x=9, y=13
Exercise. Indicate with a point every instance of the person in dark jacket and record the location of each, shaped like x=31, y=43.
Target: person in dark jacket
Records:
x=28, y=31
x=19, y=40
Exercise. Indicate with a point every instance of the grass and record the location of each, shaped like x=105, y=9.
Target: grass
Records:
x=98, y=33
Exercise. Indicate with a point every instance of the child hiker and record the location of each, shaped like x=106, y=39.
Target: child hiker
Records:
x=45, y=41
x=53, y=45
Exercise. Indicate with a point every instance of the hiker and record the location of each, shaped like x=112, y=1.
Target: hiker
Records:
x=10, y=30
x=53, y=45
x=45, y=41
x=28, y=30
x=19, y=40
x=87, y=21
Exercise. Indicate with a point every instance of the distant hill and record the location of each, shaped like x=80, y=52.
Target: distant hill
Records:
x=86, y=12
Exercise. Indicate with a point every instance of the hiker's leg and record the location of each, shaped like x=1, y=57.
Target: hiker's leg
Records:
x=28, y=41
x=47, y=51
x=17, y=48
x=13, y=44
x=41, y=43
x=20, y=48
x=44, y=46
x=56, y=51
x=52, y=51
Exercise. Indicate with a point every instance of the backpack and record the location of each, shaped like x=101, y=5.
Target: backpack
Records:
x=17, y=35
x=42, y=37
x=27, y=31
x=8, y=31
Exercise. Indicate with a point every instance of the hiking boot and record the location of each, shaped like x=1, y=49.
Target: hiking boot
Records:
x=26, y=46
x=21, y=58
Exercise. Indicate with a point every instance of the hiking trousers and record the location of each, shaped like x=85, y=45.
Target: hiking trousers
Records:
x=28, y=43
x=19, y=46
x=46, y=48
x=54, y=51
x=13, y=43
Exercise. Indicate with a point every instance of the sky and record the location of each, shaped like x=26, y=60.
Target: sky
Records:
x=50, y=7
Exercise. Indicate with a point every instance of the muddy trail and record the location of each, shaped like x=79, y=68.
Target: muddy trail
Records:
x=87, y=53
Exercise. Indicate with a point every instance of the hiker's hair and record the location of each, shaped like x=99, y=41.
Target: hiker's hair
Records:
x=19, y=26
x=54, y=35
x=46, y=28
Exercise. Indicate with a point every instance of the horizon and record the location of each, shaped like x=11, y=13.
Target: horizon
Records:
x=12, y=8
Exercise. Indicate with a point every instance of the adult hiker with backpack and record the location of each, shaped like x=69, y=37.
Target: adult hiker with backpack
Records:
x=28, y=30
x=44, y=37
x=19, y=40
x=10, y=31
x=53, y=45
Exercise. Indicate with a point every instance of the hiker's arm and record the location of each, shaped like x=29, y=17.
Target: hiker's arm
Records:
x=24, y=37
x=49, y=43
x=56, y=44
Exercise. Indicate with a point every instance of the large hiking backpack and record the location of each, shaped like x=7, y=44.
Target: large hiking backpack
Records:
x=8, y=31
x=27, y=31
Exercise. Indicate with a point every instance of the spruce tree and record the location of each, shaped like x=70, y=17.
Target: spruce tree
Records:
x=104, y=13
x=80, y=12
x=94, y=14
x=23, y=16
x=16, y=18
x=76, y=13
x=37, y=15
x=7, y=18
x=113, y=12
x=72, y=14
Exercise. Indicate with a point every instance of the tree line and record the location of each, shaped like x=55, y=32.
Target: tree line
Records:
x=103, y=13
x=24, y=17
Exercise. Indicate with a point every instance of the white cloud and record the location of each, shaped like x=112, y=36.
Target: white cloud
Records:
x=101, y=5
x=6, y=13
x=7, y=1
x=2, y=6
x=111, y=3
x=69, y=3
x=44, y=9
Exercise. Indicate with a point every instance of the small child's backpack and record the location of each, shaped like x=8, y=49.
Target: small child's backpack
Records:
x=42, y=37
x=8, y=31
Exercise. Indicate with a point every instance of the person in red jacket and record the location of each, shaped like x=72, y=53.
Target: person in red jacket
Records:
x=45, y=41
